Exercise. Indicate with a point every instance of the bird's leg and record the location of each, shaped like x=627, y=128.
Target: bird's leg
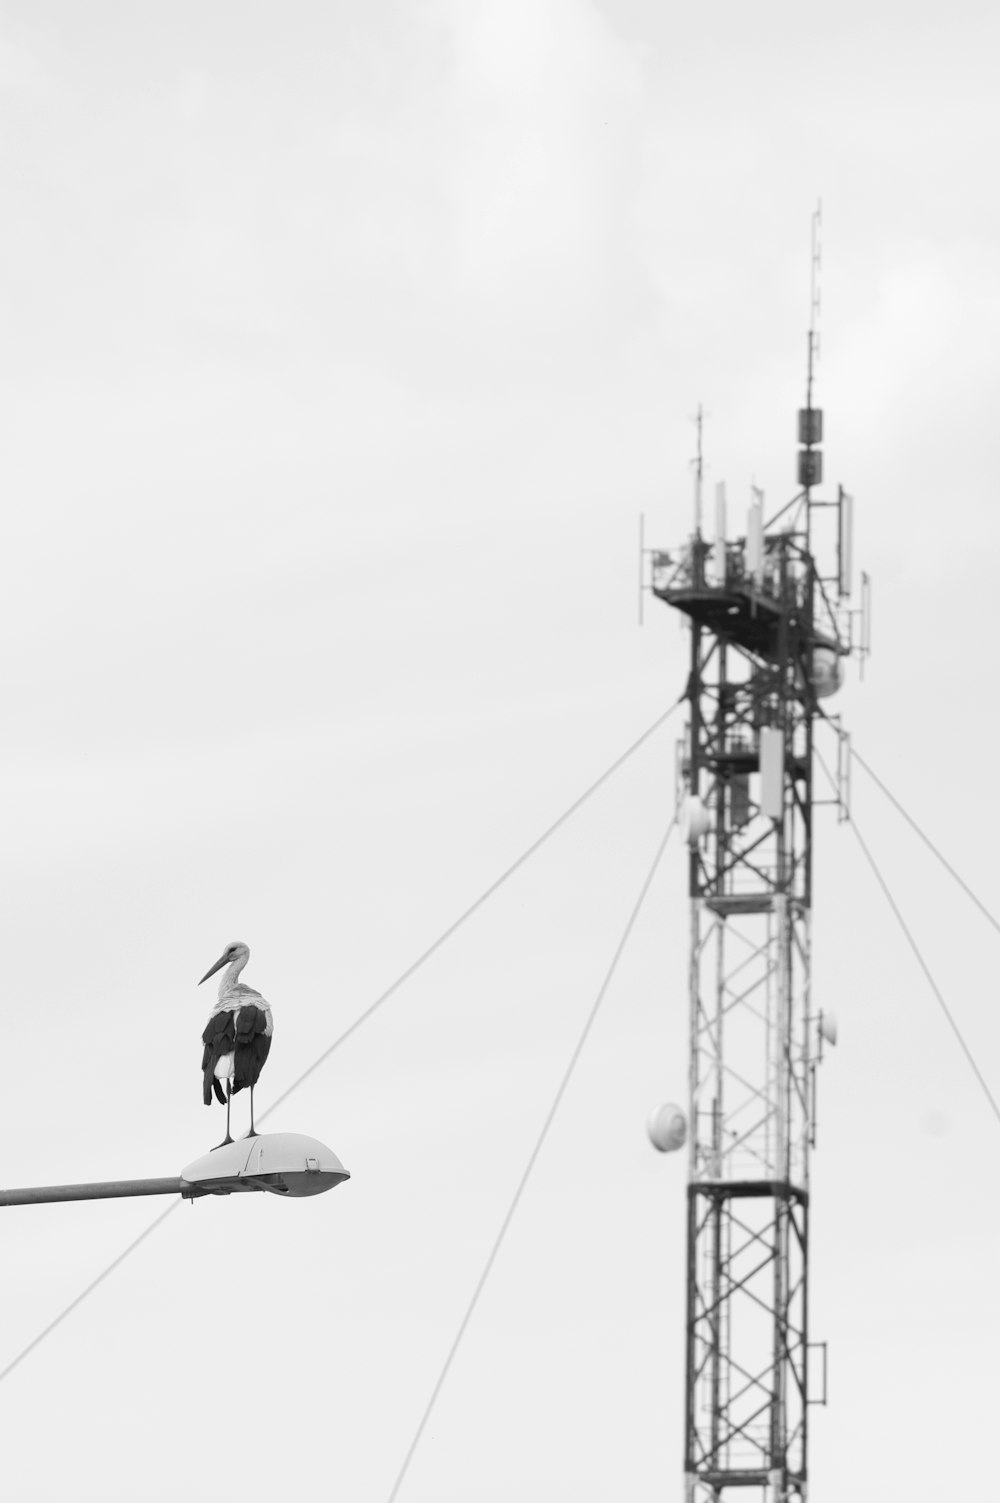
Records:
x=253, y=1131
x=227, y=1138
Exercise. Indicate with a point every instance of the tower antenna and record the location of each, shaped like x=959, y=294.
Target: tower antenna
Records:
x=810, y=470
x=767, y=643
x=699, y=471
x=814, y=300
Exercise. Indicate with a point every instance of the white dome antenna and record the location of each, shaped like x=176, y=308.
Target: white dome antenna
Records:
x=695, y=819
x=667, y=1128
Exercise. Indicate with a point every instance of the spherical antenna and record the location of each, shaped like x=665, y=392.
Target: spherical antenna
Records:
x=667, y=1128
x=827, y=672
x=695, y=820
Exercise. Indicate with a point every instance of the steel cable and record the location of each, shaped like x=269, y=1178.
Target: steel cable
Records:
x=508, y=1218
x=917, y=953
x=926, y=839
x=369, y=1011
x=473, y=907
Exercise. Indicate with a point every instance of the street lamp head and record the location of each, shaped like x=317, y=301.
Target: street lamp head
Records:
x=284, y=1163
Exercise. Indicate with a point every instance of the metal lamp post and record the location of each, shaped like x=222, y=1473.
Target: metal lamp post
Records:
x=282, y=1163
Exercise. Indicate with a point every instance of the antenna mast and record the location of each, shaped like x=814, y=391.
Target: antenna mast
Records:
x=810, y=417
x=698, y=476
x=768, y=639
x=814, y=300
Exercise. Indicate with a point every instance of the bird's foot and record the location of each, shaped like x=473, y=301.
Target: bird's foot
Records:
x=224, y=1144
x=253, y=1133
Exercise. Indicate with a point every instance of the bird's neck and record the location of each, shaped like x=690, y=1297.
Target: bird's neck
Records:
x=230, y=975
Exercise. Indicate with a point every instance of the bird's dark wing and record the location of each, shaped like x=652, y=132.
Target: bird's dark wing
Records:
x=219, y=1038
x=253, y=1044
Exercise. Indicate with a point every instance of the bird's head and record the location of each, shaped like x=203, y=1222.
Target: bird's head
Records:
x=236, y=951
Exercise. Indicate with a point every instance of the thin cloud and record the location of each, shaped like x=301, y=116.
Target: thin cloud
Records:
x=546, y=100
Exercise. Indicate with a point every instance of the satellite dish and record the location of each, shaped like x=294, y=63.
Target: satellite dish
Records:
x=695, y=819
x=667, y=1128
x=828, y=1027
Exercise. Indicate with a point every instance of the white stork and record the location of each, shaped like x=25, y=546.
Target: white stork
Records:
x=237, y=1037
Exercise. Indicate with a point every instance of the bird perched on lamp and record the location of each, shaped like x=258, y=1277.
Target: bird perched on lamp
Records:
x=237, y=1037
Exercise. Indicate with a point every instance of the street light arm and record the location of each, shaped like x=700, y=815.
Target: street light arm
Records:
x=108, y=1189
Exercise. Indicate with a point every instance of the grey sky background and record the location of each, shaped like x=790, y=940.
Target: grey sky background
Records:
x=340, y=349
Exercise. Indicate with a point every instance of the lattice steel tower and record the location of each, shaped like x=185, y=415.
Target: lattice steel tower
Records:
x=769, y=631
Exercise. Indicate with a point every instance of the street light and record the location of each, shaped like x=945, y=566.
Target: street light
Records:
x=283, y=1163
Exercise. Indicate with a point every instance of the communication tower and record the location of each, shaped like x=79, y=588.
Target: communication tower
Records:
x=770, y=625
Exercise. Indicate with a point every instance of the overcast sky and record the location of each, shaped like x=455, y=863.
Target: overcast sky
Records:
x=341, y=347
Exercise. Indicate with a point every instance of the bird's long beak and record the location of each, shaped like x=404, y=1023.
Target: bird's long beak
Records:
x=217, y=967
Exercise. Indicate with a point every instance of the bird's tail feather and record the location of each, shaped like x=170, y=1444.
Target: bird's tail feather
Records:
x=212, y=1083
